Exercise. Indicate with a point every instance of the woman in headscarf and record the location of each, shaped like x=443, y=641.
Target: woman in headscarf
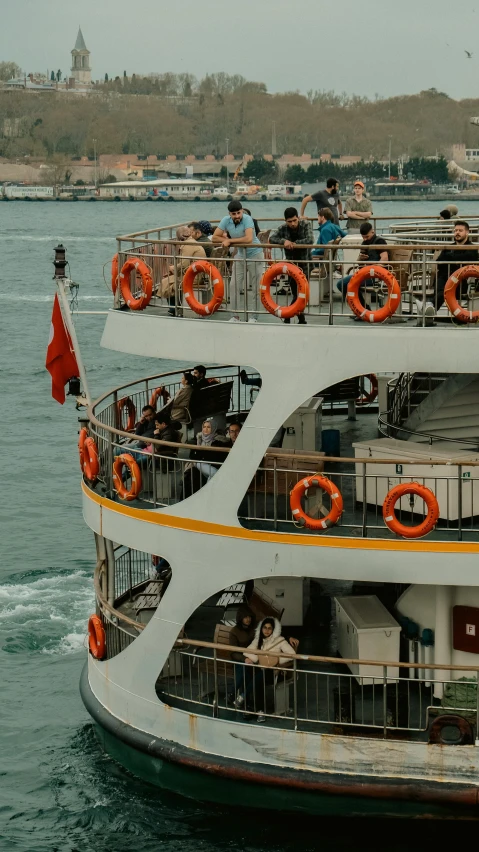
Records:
x=209, y=437
x=258, y=694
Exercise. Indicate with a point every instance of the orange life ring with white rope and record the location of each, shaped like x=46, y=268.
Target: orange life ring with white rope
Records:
x=127, y=460
x=214, y=274
x=134, y=264
x=96, y=638
x=368, y=396
x=394, y=291
x=114, y=273
x=301, y=281
x=301, y=489
x=450, y=291
x=91, y=462
x=157, y=393
x=390, y=518
x=81, y=445
x=126, y=402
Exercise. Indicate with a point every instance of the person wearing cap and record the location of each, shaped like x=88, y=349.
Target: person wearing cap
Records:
x=357, y=208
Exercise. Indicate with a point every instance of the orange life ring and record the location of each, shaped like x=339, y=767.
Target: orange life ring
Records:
x=91, y=462
x=301, y=489
x=127, y=460
x=206, y=268
x=466, y=733
x=96, y=638
x=114, y=273
x=450, y=291
x=367, y=397
x=161, y=391
x=302, y=298
x=394, y=291
x=133, y=264
x=126, y=402
x=429, y=521
x=81, y=446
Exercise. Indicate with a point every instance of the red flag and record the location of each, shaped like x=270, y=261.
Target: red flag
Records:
x=61, y=362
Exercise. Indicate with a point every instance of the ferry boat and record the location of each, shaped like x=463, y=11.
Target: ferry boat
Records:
x=346, y=510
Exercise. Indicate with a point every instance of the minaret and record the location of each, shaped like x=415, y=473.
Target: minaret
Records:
x=81, y=71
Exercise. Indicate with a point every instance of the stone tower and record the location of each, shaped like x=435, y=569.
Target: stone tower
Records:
x=81, y=71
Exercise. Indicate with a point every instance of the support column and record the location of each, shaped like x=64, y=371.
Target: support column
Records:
x=442, y=636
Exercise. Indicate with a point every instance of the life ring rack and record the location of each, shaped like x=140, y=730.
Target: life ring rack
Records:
x=96, y=638
x=302, y=299
x=126, y=402
x=389, y=514
x=394, y=292
x=300, y=490
x=450, y=293
x=158, y=393
x=367, y=397
x=207, y=268
x=124, y=493
x=135, y=265
x=88, y=453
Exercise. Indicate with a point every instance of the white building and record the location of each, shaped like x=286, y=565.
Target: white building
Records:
x=156, y=188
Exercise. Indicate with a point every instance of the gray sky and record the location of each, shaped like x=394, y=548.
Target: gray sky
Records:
x=365, y=47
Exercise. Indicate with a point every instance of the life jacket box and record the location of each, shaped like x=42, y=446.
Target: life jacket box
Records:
x=366, y=630
x=442, y=480
x=303, y=427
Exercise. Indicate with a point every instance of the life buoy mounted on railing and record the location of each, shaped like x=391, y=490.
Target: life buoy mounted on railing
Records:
x=114, y=274
x=390, y=518
x=394, y=292
x=450, y=291
x=300, y=490
x=126, y=402
x=88, y=452
x=126, y=460
x=96, y=638
x=367, y=397
x=133, y=264
x=157, y=393
x=207, y=268
x=301, y=281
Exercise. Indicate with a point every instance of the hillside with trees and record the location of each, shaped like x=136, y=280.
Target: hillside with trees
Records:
x=165, y=114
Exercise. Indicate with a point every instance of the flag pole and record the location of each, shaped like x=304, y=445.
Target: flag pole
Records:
x=67, y=318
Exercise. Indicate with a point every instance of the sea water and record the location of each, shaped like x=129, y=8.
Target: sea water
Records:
x=58, y=791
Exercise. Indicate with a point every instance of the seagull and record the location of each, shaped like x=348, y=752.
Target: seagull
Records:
x=468, y=54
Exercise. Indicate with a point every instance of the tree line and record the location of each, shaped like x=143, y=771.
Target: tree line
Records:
x=177, y=114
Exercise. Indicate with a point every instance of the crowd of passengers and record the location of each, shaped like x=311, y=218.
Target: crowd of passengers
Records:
x=166, y=425
x=238, y=234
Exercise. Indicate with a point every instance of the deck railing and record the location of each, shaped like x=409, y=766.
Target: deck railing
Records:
x=412, y=260
x=314, y=693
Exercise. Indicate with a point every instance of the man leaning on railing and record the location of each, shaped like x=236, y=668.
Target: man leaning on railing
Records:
x=294, y=236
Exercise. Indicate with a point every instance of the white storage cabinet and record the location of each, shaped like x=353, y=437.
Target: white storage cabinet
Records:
x=367, y=631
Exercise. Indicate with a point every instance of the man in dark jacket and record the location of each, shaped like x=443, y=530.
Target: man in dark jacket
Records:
x=294, y=236
x=165, y=431
x=241, y=635
x=146, y=424
x=450, y=260
x=199, y=235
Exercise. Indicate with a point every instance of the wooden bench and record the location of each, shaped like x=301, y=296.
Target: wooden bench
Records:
x=148, y=601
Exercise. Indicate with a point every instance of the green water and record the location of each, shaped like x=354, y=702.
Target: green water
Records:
x=57, y=789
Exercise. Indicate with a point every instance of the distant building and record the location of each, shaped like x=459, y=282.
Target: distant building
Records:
x=80, y=71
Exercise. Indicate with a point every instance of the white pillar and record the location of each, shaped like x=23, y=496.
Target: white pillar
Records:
x=442, y=636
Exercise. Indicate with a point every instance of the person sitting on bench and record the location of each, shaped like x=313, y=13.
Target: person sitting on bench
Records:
x=210, y=437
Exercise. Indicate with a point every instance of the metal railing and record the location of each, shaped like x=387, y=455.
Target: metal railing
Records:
x=311, y=693
x=120, y=629
x=412, y=260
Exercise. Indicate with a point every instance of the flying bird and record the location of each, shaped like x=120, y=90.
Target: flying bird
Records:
x=468, y=54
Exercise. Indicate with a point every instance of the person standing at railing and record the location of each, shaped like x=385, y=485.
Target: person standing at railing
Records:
x=328, y=197
x=237, y=229
x=189, y=251
x=448, y=262
x=357, y=207
x=294, y=236
x=241, y=636
x=259, y=685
